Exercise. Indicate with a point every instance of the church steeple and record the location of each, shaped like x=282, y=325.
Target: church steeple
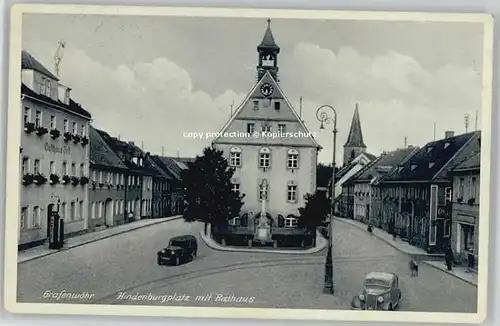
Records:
x=354, y=144
x=268, y=54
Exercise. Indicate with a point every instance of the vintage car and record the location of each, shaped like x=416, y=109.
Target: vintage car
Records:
x=180, y=249
x=380, y=292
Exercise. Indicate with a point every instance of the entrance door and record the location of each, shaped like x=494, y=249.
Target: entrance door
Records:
x=137, y=209
x=108, y=212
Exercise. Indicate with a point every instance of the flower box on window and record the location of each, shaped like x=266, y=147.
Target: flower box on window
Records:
x=66, y=179
x=76, y=139
x=54, y=179
x=75, y=181
x=67, y=136
x=54, y=133
x=85, y=141
x=84, y=181
x=110, y=186
x=460, y=199
x=40, y=131
x=29, y=127
x=39, y=179
x=93, y=185
x=471, y=201
x=101, y=185
x=27, y=179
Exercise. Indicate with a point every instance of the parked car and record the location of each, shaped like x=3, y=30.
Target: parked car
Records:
x=380, y=292
x=180, y=249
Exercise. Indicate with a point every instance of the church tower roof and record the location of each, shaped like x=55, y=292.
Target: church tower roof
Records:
x=268, y=39
x=355, y=138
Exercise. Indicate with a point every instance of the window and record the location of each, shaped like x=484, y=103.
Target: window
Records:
x=250, y=128
x=83, y=131
x=73, y=169
x=236, y=187
x=255, y=105
x=473, y=187
x=293, y=159
x=263, y=191
x=72, y=211
x=35, y=221
x=461, y=188
x=235, y=156
x=36, y=167
x=94, y=175
x=22, y=222
x=100, y=210
x=82, y=170
x=38, y=119
x=122, y=179
x=281, y=128
x=74, y=130
x=100, y=177
x=92, y=211
x=448, y=194
x=266, y=128
x=66, y=125
x=121, y=206
x=52, y=167
x=64, y=168
x=291, y=221
x=447, y=229
x=265, y=158
x=26, y=165
x=46, y=87
x=117, y=178
x=277, y=106
x=292, y=192
x=63, y=212
x=27, y=115
x=52, y=122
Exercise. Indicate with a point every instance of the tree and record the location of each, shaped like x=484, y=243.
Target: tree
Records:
x=209, y=194
x=315, y=210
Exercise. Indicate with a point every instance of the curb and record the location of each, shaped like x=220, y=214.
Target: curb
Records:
x=95, y=240
x=452, y=274
x=218, y=247
x=391, y=243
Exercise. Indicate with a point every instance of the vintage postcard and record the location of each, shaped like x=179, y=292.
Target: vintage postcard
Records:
x=285, y=164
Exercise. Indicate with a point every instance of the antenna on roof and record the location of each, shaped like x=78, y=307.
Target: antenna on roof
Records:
x=232, y=104
x=142, y=145
x=406, y=142
x=300, y=108
x=163, y=151
x=177, y=154
x=475, y=126
x=434, y=131
x=58, y=56
x=466, y=122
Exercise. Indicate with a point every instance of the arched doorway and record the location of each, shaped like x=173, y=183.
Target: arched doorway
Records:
x=144, y=208
x=50, y=208
x=108, y=212
x=137, y=209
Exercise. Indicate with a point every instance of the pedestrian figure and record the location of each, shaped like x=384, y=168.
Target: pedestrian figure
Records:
x=449, y=259
x=370, y=228
x=413, y=267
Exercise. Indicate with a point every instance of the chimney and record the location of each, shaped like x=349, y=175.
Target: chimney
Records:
x=449, y=134
x=131, y=143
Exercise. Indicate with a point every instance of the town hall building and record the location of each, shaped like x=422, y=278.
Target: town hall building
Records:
x=274, y=173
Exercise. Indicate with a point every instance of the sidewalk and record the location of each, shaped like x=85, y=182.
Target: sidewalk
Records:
x=321, y=244
x=433, y=260
x=77, y=241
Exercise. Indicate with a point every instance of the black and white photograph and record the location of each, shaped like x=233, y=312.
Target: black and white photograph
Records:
x=286, y=163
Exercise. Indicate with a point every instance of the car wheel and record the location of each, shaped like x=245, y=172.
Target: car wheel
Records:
x=159, y=261
x=193, y=256
x=391, y=307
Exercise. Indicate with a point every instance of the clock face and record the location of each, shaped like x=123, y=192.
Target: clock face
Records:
x=266, y=89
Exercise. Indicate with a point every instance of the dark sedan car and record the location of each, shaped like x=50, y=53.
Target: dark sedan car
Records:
x=179, y=250
x=380, y=292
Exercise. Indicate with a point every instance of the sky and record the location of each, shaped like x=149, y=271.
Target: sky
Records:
x=151, y=79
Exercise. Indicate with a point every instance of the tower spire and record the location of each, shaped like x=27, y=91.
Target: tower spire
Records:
x=268, y=54
x=355, y=137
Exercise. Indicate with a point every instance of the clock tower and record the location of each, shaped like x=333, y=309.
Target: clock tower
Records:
x=268, y=55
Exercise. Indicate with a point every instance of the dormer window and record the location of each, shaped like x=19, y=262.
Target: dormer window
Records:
x=265, y=157
x=45, y=86
x=235, y=156
x=431, y=164
x=446, y=145
x=413, y=167
x=293, y=159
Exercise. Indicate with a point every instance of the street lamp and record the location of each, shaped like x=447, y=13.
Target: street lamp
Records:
x=323, y=117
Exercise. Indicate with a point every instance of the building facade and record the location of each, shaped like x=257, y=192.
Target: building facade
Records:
x=465, y=211
x=107, y=184
x=416, y=197
x=54, y=155
x=276, y=172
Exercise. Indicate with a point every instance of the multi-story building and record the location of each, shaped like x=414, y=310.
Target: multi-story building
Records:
x=54, y=155
x=161, y=179
x=367, y=197
x=272, y=172
x=107, y=184
x=465, y=211
x=172, y=191
x=416, y=197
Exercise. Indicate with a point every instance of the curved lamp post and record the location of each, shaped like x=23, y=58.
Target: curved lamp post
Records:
x=324, y=118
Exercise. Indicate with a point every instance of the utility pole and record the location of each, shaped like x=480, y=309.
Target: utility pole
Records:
x=475, y=127
x=142, y=145
x=434, y=131
x=406, y=142
x=232, y=104
x=466, y=122
x=300, y=108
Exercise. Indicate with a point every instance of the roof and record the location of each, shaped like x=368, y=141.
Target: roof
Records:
x=429, y=160
x=168, y=165
x=474, y=163
x=383, y=164
x=386, y=276
x=268, y=39
x=183, y=237
x=72, y=106
x=101, y=153
x=355, y=137
x=29, y=62
x=370, y=156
